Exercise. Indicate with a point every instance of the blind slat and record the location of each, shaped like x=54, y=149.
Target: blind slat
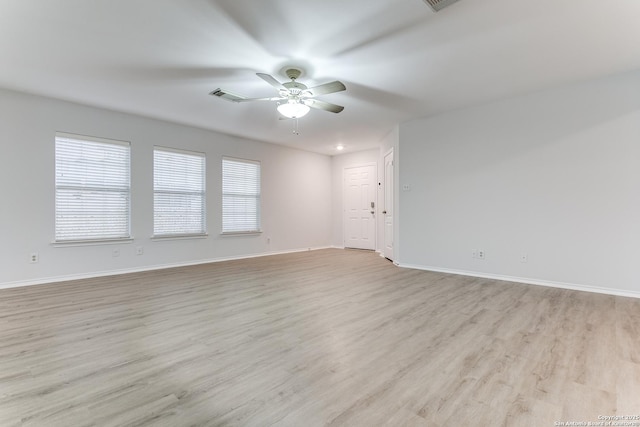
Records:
x=92, y=199
x=240, y=195
x=178, y=192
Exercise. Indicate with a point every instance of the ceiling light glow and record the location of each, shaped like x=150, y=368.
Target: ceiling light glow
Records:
x=293, y=109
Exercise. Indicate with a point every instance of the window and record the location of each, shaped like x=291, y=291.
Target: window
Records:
x=178, y=193
x=240, y=196
x=92, y=199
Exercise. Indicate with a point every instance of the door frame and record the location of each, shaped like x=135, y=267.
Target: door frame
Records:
x=344, y=201
x=393, y=204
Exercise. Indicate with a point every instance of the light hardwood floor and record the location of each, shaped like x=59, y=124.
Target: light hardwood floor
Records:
x=331, y=337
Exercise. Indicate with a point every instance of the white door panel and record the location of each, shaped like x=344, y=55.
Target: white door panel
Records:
x=360, y=199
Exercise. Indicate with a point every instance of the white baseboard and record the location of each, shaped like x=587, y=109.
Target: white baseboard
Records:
x=527, y=281
x=57, y=279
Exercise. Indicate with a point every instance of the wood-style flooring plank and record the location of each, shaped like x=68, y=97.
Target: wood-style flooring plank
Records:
x=323, y=338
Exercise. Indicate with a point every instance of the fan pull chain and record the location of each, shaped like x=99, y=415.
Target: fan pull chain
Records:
x=295, y=127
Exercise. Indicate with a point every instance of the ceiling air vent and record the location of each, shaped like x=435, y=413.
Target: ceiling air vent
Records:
x=437, y=5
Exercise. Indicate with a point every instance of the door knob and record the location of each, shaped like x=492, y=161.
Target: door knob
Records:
x=384, y=212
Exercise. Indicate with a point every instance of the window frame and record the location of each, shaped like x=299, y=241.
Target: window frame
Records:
x=60, y=188
x=257, y=197
x=203, y=194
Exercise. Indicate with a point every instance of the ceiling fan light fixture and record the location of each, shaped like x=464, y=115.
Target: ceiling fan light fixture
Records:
x=293, y=109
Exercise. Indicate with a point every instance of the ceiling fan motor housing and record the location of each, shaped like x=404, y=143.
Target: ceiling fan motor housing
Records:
x=294, y=86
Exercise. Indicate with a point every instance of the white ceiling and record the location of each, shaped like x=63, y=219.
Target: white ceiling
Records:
x=398, y=59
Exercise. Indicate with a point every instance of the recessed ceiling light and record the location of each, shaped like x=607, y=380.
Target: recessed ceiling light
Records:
x=340, y=147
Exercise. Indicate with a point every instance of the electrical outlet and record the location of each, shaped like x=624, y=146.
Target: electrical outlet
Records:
x=406, y=187
x=481, y=254
x=139, y=250
x=34, y=257
x=115, y=253
x=524, y=258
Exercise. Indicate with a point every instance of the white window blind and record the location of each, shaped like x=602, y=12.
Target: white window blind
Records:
x=178, y=193
x=92, y=199
x=240, y=196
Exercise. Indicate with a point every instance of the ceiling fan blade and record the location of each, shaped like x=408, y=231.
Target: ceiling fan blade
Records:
x=321, y=105
x=327, y=88
x=229, y=96
x=275, y=98
x=269, y=79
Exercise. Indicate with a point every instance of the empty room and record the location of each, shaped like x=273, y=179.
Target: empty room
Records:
x=319, y=213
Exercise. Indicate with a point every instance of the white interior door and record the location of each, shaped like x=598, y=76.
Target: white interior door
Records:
x=388, y=206
x=359, y=202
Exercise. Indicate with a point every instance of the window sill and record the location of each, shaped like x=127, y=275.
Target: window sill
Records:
x=241, y=233
x=96, y=242
x=179, y=237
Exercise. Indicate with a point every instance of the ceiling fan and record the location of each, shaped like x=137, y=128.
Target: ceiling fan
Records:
x=294, y=99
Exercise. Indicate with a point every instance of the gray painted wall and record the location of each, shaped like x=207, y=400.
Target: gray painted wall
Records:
x=554, y=175
x=296, y=192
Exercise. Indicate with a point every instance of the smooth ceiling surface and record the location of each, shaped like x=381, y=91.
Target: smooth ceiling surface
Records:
x=398, y=59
